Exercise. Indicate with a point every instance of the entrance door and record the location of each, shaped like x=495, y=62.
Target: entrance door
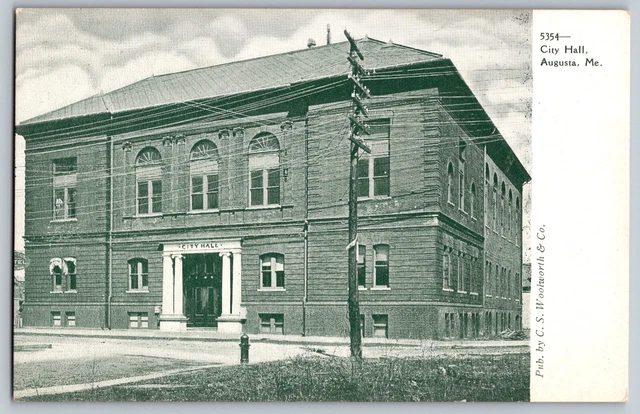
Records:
x=203, y=288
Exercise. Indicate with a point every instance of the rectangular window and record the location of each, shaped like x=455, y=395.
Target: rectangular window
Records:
x=446, y=270
x=272, y=271
x=273, y=186
x=373, y=169
x=461, y=188
x=138, y=320
x=265, y=187
x=362, y=177
x=212, y=191
x=197, y=193
x=149, y=196
x=272, y=323
x=204, y=192
x=380, y=326
x=460, y=269
x=362, y=267
x=71, y=275
x=381, y=176
x=64, y=188
x=138, y=274
x=56, y=319
x=57, y=279
x=257, y=198
x=381, y=269
x=71, y=318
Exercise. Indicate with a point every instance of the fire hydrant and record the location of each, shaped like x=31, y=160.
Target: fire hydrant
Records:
x=244, y=348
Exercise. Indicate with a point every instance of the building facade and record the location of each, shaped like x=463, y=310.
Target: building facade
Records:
x=218, y=198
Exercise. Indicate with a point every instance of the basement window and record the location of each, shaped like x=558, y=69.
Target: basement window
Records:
x=272, y=323
x=380, y=326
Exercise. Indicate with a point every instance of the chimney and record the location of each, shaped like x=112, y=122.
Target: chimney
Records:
x=311, y=43
x=328, y=34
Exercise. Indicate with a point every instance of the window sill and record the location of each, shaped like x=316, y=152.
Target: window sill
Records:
x=137, y=291
x=451, y=204
x=67, y=220
x=488, y=296
x=463, y=212
x=148, y=215
x=380, y=288
x=375, y=198
x=447, y=290
x=59, y=292
x=196, y=212
x=272, y=290
x=363, y=288
x=464, y=292
x=71, y=291
x=473, y=293
x=265, y=207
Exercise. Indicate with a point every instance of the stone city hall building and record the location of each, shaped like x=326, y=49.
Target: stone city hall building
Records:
x=217, y=197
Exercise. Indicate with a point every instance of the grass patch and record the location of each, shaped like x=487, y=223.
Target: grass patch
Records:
x=470, y=378
x=78, y=371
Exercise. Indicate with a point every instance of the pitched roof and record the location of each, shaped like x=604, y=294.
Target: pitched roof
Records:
x=239, y=77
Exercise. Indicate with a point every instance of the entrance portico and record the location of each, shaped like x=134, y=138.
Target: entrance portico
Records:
x=173, y=316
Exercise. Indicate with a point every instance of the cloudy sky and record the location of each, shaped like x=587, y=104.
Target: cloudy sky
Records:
x=64, y=55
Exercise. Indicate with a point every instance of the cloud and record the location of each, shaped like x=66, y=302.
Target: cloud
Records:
x=48, y=92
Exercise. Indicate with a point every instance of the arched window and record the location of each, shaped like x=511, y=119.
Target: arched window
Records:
x=487, y=183
x=381, y=265
x=472, y=201
x=138, y=274
x=518, y=226
x=495, y=201
x=149, y=181
x=450, y=183
x=264, y=170
x=362, y=265
x=272, y=271
x=502, y=215
x=510, y=221
x=63, y=273
x=204, y=176
x=55, y=269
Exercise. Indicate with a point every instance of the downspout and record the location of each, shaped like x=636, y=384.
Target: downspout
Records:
x=110, y=282
x=306, y=227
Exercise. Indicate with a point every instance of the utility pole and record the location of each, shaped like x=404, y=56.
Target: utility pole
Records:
x=358, y=127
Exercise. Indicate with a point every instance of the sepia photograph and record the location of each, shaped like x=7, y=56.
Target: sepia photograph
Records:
x=272, y=205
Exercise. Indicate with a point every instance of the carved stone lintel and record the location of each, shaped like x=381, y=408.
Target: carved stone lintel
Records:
x=238, y=132
x=179, y=139
x=127, y=146
x=224, y=133
x=286, y=125
x=167, y=141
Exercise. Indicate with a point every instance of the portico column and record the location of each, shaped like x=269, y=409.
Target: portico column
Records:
x=167, y=285
x=226, y=284
x=177, y=301
x=237, y=284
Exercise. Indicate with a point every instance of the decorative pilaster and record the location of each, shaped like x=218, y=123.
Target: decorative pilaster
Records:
x=229, y=321
x=178, y=301
x=167, y=285
x=226, y=283
x=237, y=284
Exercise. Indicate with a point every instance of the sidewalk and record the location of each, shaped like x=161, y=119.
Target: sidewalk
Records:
x=209, y=335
